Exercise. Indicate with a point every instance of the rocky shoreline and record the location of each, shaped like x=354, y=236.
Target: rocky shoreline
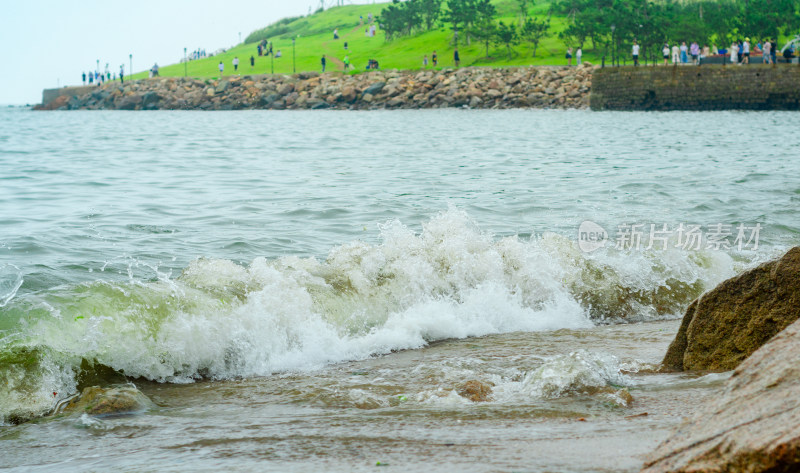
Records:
x=472, y=87
x=750, y=322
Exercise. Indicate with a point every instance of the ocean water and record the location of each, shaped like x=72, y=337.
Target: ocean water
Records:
x=306, y=291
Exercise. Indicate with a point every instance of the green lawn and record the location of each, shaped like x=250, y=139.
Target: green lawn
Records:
x=315, y=38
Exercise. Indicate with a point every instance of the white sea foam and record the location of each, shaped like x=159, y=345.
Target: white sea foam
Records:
x=10, y=282
x=575, y=373
x=223, y=320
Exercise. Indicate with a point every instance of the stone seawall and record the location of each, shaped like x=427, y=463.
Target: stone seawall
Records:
x=524, y=87
x=49, y=95
x=751, y=87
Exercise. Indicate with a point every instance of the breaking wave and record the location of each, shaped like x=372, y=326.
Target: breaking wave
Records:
x=220, y=320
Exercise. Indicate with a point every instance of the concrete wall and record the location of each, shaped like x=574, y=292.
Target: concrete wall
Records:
x=48, y=95
x=750, y=87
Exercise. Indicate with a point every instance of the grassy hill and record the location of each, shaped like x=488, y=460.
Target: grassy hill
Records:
x=314, y=37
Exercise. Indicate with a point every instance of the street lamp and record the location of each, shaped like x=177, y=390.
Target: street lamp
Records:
x=240, y=37
x=130, y=72
x=294, y=68
x=185, y=64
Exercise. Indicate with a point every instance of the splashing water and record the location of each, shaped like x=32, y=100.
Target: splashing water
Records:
x=222, y=320
x=10, y=282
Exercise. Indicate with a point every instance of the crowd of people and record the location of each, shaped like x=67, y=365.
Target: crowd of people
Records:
x=197, y=54
x=264, y=48
x=739, y=52
x=99, y=78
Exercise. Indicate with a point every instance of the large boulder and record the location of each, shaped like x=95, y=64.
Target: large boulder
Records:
x=129, y=102
x=222, y=87
x=727, y=324
x=150, y=100
x=268, y=98
x=752, y=426
x=374, y=89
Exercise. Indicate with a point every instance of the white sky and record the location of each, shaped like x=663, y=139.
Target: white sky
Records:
x=48, y=43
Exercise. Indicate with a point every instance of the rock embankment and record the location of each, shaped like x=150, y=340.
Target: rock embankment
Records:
x=727, y=324
x=752, y=426
x=525, y=87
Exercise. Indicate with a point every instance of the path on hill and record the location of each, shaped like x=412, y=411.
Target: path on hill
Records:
x=332, y=56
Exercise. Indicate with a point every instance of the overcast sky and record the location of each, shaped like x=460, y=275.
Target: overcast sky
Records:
x=48, y=43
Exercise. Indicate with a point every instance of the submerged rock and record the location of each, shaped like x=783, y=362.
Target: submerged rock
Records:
x=118, y=399
x=727, y=324
x=617, y=397
x=474, y=390
x=752, y=426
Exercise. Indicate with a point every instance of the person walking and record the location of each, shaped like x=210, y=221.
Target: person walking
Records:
x=435, y=58
x=674, y=54
x=578, y=56
x=635, y=51
x=122, y=73
x=425, y=62
x=323, y=63
x=766, y=51
x=346, y=63
x=746, y=51
x=221, y=69
x=694, y=50
x=740, y=50
x=252, y=61
x=83, y=76
x=569, y=56
x=773, y=51
x=336, y=33
x=456, y=57
x=734, y=53
x=235, y=63
x=684, y=53
x=665, y=53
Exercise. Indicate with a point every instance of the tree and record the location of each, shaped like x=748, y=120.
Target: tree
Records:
x=768, y=18
x=507, y=36
x=586, y=19
x=430, y=10
x=485, y=31
x=533, y=31
x=457, y=14
x=391, y=20
x=719, y=17
x=523, y=9
x=400, y=18
x=464, y=14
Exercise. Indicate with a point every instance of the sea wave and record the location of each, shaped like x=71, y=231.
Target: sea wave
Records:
x=221, y=320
